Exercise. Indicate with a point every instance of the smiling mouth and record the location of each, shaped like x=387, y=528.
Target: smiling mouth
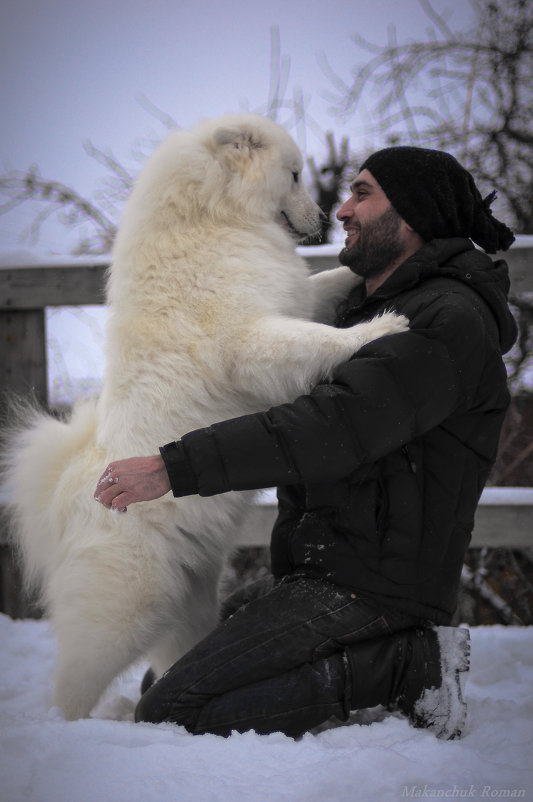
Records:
x=351, y=232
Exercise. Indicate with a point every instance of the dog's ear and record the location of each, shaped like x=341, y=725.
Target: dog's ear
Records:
x=226, y=136
x=238, y=138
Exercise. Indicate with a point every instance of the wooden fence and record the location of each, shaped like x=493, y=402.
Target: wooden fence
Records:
x=503, y=518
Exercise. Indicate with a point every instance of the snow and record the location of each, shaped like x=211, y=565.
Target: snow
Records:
x=108, y=758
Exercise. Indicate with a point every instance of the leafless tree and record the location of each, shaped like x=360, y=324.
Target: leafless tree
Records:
x=99, y=214
x=470, y=93
x=329, y=179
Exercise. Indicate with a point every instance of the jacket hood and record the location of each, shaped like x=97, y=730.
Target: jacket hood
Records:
x=458, y=259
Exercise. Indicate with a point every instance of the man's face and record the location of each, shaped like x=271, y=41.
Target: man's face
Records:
x=375, y=231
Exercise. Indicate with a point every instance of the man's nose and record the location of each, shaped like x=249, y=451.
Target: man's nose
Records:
x=344, y=211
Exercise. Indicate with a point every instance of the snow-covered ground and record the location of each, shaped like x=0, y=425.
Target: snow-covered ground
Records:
x=108, y=758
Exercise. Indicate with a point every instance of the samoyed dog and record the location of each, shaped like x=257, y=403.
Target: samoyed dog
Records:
x=211, y=316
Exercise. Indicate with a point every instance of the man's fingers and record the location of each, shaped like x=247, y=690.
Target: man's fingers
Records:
x=133, y=479
x=108, y=478
x=106, y=490
x=120, y=502
x=114, y=499
x=106, y=497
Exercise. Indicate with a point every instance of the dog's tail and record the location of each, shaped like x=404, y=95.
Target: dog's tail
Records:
x=36, y=454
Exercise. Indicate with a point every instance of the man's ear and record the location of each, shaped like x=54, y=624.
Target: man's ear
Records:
x=414, y=238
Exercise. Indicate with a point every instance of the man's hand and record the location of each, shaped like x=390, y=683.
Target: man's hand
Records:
x=129, y=480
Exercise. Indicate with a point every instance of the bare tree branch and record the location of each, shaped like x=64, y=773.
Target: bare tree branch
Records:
x=329, y=180
x=478, y=91
x=20, y=187
x=475, y=582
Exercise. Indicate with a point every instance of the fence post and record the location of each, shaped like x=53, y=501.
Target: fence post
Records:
x=22, y=372
x=23, y=354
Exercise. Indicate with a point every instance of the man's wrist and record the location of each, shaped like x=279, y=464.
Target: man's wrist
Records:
x=180, y=473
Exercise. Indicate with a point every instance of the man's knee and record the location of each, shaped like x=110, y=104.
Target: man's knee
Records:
x=246, y=594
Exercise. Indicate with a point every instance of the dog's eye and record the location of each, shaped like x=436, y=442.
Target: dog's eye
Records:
x=295, y=177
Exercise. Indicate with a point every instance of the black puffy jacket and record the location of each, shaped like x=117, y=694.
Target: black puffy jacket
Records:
x=379, y=471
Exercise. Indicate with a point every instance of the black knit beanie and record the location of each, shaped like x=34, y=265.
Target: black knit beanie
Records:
x=437, y=197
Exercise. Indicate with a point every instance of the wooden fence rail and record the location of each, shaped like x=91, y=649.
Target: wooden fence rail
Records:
x=503, y=518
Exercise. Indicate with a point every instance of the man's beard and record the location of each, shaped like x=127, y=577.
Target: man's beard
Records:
x=378, y=246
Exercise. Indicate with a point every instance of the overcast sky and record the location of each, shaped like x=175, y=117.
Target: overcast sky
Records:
x=72, y=71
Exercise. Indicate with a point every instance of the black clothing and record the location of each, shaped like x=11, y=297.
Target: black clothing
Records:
x=379, y=471
x=288, y=660
x=432, y=192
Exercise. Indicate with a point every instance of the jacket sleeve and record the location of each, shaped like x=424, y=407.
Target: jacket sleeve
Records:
x=392, y=390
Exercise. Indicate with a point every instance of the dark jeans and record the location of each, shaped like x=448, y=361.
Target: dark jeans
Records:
x=276, y=664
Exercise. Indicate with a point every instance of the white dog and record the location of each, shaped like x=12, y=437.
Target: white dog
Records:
x=210, y=318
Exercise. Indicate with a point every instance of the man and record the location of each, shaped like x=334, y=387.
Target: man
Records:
x=378, y=471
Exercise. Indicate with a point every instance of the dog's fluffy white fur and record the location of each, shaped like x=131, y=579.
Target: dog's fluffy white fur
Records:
x=210, y=317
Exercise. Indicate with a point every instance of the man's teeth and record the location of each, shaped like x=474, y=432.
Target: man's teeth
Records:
x=350, y=232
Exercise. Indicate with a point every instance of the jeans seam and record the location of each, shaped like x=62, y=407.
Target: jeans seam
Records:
x=241, y=655
x=361, y=630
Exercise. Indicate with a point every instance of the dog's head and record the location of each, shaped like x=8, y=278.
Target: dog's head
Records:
x=256, y=172
x=236, y=171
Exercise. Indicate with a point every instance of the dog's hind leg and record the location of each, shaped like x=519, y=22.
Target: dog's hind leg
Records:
x=87, y=664
x=99, y=638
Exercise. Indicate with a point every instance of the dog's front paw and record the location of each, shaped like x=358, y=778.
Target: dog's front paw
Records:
x=389, y=323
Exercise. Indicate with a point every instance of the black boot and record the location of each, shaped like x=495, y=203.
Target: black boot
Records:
x=418, y=671
x=148, y=680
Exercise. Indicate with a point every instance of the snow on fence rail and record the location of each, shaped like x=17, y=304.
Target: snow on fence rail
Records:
x=505, y=515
